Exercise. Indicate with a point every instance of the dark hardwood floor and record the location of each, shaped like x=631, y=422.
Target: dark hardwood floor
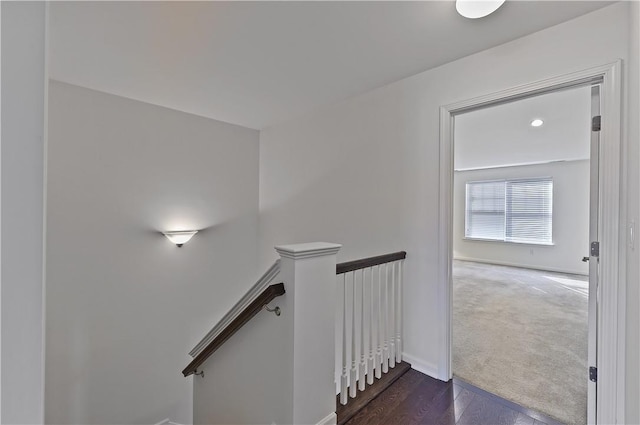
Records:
x=363, y=398
x=416, y=398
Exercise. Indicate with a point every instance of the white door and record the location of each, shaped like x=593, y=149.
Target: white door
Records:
x=594, y=254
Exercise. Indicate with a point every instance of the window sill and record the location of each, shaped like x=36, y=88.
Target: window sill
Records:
x=509, y=242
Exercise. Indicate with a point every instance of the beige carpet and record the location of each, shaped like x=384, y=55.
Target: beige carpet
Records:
x=522, y=334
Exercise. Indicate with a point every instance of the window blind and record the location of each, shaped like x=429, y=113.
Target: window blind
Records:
x=485, y=210
x=510, y=210
x=529, y=210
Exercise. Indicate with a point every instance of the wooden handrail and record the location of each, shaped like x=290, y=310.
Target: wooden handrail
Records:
x=251, y=310
x=363, y=263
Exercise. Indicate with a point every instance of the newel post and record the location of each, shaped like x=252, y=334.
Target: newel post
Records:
x=309, y=274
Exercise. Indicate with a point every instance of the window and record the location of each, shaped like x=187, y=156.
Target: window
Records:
x=510, y=210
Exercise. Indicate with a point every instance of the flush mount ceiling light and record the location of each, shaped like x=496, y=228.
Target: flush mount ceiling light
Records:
x=474, y=9
x=537, y=122
x=180, y=238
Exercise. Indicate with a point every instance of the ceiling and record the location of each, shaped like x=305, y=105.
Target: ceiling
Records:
x=259, y=63
x=502, y=135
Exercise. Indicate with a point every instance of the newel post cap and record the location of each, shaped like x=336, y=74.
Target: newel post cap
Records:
x=307, y=250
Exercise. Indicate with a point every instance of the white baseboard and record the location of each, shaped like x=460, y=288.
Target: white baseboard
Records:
x=421, y=366
x=522, y=266
x=330, y=419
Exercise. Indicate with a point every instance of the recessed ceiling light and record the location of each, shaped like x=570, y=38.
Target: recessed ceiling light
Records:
x=474, y=9
x=537, y=122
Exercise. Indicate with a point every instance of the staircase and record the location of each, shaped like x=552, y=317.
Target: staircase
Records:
x=277, y=369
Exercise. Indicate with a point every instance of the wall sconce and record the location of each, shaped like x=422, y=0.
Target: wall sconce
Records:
x=180, y=238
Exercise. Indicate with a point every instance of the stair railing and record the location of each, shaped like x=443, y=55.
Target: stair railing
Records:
x=255, y=299
x=368, y=320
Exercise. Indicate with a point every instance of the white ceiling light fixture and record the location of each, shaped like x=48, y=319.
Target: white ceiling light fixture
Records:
x=474, y=9
x=537, y=122
x=180, y=238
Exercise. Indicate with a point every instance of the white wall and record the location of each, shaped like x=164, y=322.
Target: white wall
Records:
x=124, y=305
x=570, y=219
x=23, y=134
x=633, y=252
x=364, y=172
x=248, y=380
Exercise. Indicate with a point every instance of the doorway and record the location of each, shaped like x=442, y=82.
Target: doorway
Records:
x=610, y=320
x=520, y=230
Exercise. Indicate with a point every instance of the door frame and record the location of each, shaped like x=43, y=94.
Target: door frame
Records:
x=611, y=313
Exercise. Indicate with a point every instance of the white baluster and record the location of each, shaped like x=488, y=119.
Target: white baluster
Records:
x=392, y=318
x=354, y=372
x=370, y=363
x=379, y=326
x=363, y=367
x=399, y=310
x=385, y=321
x=343, y=376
